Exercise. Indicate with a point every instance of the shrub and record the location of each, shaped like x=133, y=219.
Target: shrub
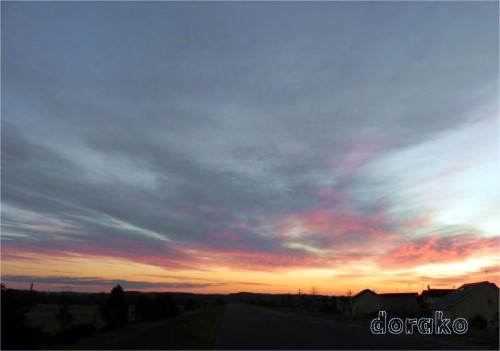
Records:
x=84, y=330
x=478, y=322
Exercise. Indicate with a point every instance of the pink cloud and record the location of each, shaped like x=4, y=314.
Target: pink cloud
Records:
x=337, y=223
x=439, y=249
x=318, y=237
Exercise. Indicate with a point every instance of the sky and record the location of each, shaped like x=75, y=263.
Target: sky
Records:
x=245, y=146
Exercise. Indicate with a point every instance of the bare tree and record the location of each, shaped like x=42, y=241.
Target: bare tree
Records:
x=314, y=291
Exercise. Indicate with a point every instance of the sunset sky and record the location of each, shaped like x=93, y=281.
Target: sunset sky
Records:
x=248, y=146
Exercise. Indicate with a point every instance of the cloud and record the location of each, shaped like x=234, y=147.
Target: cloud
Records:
x=439, y=248
x=264, y=140
x=95, y=282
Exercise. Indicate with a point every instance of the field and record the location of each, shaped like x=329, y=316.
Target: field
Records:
x=194, y=330
x=43, y=314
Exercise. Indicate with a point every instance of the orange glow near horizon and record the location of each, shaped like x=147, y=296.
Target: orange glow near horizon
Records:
x=328, y=281
x=315, y=248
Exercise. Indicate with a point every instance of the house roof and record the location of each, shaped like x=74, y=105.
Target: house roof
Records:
x=436, y=292
x=362, y=292
x=455, y=297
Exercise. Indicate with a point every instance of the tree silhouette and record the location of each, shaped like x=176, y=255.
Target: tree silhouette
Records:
x=64, y=317
x=115, y=311
x=286, y=301
x=145, y=309
x=478, y=322
x=171, y=306
x=191, y=304
x=162, y=306
x=15, y=333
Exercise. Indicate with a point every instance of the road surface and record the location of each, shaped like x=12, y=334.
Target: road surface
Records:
x=246, y=327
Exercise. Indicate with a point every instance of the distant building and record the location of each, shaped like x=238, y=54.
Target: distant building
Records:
x=365, y=302
x=470, y=300
x=399, y=303
x=368, y=302
x=430, y=297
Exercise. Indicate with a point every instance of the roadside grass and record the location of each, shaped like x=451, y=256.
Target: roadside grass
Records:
x=43, y=314
x=194, y=330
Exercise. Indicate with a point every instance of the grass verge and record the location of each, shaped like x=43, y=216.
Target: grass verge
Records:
x=190, y=331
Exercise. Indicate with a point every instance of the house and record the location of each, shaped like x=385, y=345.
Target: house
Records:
x=368, y=301
x=399, y=303
x=365, y=302
x=431, y=296
x=470, y=300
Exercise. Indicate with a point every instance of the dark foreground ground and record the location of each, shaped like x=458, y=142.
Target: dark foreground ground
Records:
x=246, y=327
x=194, y=330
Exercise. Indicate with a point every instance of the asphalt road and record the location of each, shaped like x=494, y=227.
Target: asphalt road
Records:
x=246, y=327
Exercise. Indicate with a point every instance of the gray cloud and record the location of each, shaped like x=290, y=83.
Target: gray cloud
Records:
x=177, y=121
x=104, y=283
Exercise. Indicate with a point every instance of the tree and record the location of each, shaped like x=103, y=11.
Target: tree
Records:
x=286, y=301
x=160, y=307
x=65, y=299
x=478, y=322
x=145, y=309
x=115, y=311
x=191, y=304
x=64, y=317
x=314, y=291
x=15, y=333
x=172, y=309
x=349, y=301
